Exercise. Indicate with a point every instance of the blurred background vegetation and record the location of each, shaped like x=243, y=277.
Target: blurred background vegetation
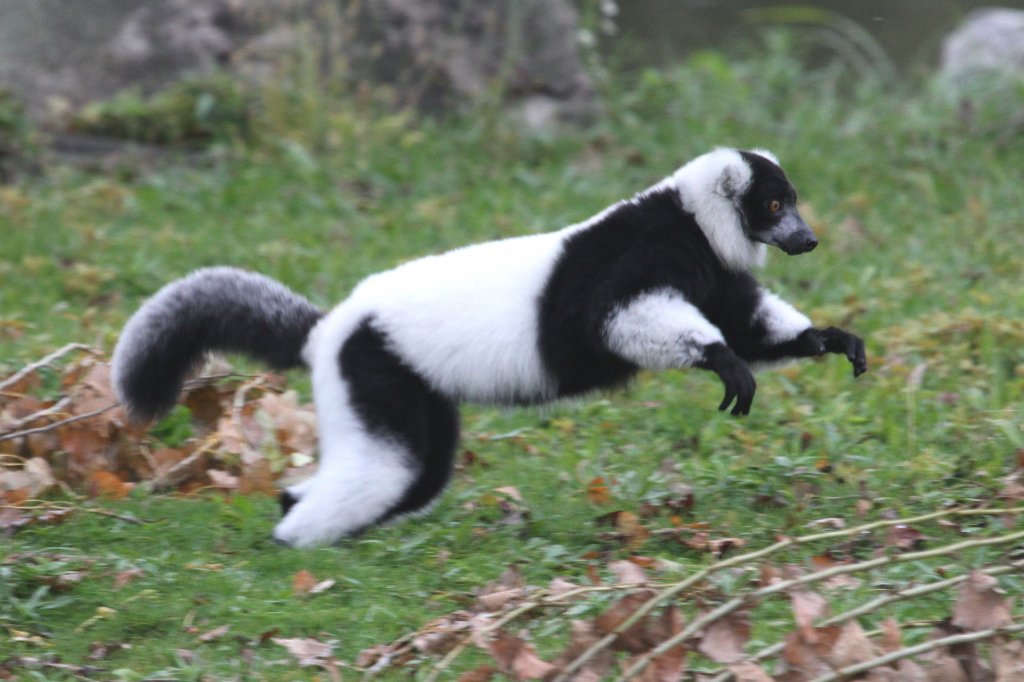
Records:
x=319, y=142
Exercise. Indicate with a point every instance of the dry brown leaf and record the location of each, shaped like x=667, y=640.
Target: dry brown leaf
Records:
x=98, y=651
x=107, y=484
x=627, y=573
x=636, y=638
x=518, y=658
x=494, y=601
x=126, y=576
x=441, y=634
x=904, y=537
x=909, y=671
x=559, y=586
x=213, y=634
x=632, y=530
x=308, y=651
x=981, y=604
x=808, y=607
x=481, y=673
x=666, y=667
x=851, y=647
x=725, y=638
x=302, y=583
x=511, y=492
x=295, y=425
x=769, y=574
x=892, y=637
x=102, y=441
x=508, y=587
x=822, y=562
x=703, y=542
x=32, y=480
x=205, y=406
x=257, y=477
x=1008, y=660
x=372, y=656
x=746, y=671
x=65, y=580
x=597, y=491
x=582, y=636
x=805, y=650
x=222, y=479
x=944, y=668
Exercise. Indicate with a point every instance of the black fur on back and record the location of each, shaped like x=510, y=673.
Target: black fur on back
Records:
x=214, y=309
x=643, y=245
x=397, y=403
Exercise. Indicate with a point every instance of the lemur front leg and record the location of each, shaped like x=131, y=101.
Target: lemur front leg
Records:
x=784, y=332
x=662, y=330
x=734, y=373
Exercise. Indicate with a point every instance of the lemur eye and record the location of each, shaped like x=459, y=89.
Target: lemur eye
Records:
x=774, y=206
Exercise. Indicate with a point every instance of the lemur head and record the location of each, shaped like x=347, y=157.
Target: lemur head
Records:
x=743, y=200
x=767, y=207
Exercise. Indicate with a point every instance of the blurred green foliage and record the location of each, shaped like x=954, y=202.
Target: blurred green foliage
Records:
x=917, y=204
x=194, y=111
x=19, y=143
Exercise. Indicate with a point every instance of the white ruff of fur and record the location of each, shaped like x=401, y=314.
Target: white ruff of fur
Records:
x=708, y=187
x=766, y=154
x=660, y=330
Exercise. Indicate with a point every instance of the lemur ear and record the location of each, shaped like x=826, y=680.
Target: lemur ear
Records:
x=730, y=182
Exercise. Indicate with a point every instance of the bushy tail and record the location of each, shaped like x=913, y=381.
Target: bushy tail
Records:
x=213, y=309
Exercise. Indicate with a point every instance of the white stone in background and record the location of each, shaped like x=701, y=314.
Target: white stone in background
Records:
x=989, y=42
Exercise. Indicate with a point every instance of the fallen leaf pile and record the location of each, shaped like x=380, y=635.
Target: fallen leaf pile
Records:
x=230, y=432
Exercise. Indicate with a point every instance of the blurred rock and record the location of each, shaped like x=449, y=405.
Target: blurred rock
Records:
x=989, y=43
x=57, y=55
x=440, y=52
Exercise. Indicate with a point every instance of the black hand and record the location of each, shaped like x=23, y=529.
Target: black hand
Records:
x=734, y=373
x=810, y=343
x=841, y=341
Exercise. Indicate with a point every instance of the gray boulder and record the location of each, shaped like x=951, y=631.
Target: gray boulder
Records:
x=56, y=54
x=440, y=52
x=988, y=44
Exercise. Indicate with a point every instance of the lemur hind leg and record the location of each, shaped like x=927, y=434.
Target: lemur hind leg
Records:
x=388, y=453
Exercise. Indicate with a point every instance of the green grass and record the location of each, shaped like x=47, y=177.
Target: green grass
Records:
x=922, y=247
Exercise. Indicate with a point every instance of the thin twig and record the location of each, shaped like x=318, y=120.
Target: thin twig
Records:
x=58, y=424
x=209, y=379
x=114, y=515
x=170, y=477
x=36, y=505
x=43, y=362
x=56, y=408
x=858, y=668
